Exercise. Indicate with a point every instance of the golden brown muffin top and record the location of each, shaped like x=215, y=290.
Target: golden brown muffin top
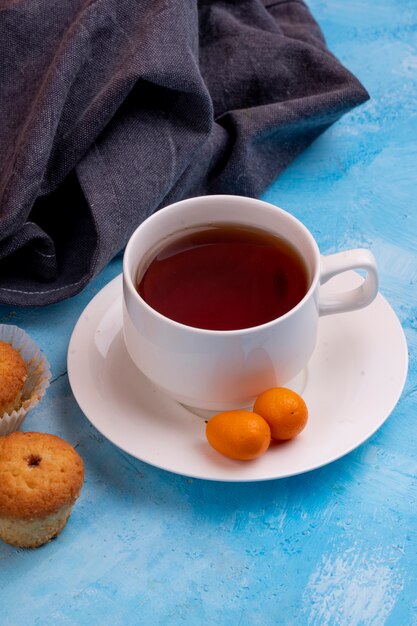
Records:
x=13, y=373
x=39, y=473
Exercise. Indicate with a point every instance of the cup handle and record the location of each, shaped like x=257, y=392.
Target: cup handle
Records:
x=357, y=298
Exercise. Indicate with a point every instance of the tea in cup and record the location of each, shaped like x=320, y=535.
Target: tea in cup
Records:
x=224, y=277
x=221, y=298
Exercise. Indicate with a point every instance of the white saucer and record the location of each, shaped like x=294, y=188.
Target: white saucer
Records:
x=351, y=385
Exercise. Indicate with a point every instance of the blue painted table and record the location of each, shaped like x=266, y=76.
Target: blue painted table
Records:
x=335, y=546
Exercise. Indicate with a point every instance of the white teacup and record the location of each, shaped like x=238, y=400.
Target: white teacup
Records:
x=219, y=370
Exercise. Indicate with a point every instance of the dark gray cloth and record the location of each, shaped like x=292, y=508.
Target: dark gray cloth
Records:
x=111, y=109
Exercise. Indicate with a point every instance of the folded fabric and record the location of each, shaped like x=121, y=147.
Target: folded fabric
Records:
x=111, y=109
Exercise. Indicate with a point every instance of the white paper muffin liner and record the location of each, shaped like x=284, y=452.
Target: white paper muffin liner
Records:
x=39, y=375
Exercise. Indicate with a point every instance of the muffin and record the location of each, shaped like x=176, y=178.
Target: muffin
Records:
x=13, y=374
x=24, y=377
x=41, y=476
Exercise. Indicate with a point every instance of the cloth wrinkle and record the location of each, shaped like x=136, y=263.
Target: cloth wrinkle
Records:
x=122, y=107
x=117, y=206
x=278, y=2
x=40, y=95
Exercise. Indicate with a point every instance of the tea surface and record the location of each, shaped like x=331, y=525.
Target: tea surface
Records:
x=224, y=277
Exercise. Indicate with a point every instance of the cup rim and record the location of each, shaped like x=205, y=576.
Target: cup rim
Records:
x=128, y=281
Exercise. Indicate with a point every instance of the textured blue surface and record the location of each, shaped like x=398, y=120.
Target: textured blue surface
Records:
x=335, y=546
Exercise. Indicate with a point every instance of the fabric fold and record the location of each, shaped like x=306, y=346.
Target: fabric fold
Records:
x=112, y=109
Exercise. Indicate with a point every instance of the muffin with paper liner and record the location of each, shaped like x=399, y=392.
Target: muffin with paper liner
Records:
x=24, y=377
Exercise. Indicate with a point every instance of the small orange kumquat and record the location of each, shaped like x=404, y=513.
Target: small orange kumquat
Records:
x=284, y=410
x=241, y=435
